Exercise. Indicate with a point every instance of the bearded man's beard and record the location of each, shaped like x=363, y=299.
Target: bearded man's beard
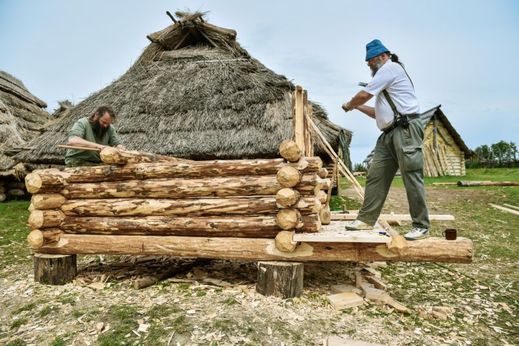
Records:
x=376, y=67
x=99, y=131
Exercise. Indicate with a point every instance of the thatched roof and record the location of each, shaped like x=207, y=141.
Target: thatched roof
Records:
x=436, y=113
x=193, y=93
x=21, y=117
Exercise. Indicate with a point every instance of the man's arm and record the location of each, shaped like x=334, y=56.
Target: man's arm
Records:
x=369, y=111
x=361, y=98
x=80, y=142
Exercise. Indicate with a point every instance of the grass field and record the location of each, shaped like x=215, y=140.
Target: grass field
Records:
x=483, y=296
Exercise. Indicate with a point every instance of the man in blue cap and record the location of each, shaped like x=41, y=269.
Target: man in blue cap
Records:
x=399, y=146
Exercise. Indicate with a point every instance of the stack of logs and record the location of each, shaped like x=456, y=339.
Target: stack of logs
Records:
x=144, y=194
x=12, y=189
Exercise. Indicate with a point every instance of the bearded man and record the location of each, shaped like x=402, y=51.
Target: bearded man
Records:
x=399, y=146
x=94, y=132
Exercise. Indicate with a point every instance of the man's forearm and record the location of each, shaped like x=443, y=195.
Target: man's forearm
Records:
x=369, y=111
x=359, y=99
x=84, y=143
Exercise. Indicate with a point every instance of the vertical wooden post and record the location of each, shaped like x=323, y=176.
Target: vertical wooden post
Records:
x=54, y=269
x=280, y=279
x=309, y=144
x=299, y=119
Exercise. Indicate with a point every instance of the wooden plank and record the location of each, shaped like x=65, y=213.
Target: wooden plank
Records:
x=510, y=206
x=299, y=120
x=391, y=217
x=508, y=210
x=425, y=250
x=309, y=143
x=343, y=236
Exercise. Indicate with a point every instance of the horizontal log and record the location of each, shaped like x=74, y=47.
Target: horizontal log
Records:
x=191, y=207
x=158, y=170
x=183, y=188
x=487, y=183
x=45, y=218
x=47, y=201
x=224, y=226
x=37, y=238
x=44, y=180
x=257, y=249
x=391, y=218
x=116, y=156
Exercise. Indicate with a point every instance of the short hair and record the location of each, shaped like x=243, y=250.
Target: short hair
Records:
x=102, y=110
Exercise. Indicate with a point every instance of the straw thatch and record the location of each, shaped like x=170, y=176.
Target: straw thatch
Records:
x=22, y=116
x=193, y=93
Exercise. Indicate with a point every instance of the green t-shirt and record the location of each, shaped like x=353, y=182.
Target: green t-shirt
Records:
x=83, y=129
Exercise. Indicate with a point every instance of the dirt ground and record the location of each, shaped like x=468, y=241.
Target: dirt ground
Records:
x=216, y=303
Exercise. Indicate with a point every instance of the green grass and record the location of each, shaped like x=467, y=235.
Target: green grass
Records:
x=13, y=232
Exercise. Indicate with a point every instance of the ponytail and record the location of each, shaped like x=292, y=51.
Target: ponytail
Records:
x=394, y=58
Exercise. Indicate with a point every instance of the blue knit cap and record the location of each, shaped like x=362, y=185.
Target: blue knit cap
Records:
x=375, y=48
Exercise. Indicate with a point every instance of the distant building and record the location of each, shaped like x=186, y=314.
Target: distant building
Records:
x=443, y=148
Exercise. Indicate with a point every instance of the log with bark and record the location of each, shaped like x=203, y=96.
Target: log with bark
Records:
x=183, y=188
x=427, y=250
x=487, y=183
x=116, y=156
x=190, y=206
x=219, y=226
x=158, y=170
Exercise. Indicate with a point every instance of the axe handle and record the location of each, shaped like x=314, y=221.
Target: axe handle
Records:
x=77, y=147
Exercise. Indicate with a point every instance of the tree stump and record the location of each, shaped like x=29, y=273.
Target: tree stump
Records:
x=54, y=269
x=280, y=279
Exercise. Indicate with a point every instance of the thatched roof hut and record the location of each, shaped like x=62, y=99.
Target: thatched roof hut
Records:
x=22, y=116
x=193, y=93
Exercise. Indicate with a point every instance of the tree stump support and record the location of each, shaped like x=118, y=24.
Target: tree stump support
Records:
x=280, y=279
x=54, y=269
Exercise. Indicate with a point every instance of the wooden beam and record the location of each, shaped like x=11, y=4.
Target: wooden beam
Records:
x=299, y=119
x=256, y=249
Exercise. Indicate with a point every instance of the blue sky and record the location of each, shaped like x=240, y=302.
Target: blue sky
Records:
x=460, y=54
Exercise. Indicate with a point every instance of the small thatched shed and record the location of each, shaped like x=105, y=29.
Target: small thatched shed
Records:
x=444, y=149
x=193, y=93
x=22, y=116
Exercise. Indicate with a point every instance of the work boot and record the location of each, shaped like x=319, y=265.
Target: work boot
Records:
x=357, y=225
x=417, y=233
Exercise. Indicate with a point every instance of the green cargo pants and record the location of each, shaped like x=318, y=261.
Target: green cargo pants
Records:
x=400, y=148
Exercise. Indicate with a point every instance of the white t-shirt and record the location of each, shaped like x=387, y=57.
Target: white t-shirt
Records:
x=392, y=77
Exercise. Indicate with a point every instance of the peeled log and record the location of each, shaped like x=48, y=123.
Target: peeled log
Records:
x=190, y=206
x=45, y=218
x=116, y=156
x=49, y=180
x=284, y=242
x=183, y=169
x=288, y=176
x=47, y=201
x=289, y=219
x=322, y=196
x=37, y=238
x=325, y=215
x=182, y=188
x=218, y=226
x=323, y=173
x=289, y=150
x=460, y=250
x=287, y=197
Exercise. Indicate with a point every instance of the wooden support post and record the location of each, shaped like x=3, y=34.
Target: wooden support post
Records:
x=299, y=119
x=54, y=269
x=280, y=279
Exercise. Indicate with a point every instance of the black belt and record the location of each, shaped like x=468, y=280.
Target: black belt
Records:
x=395, y=124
